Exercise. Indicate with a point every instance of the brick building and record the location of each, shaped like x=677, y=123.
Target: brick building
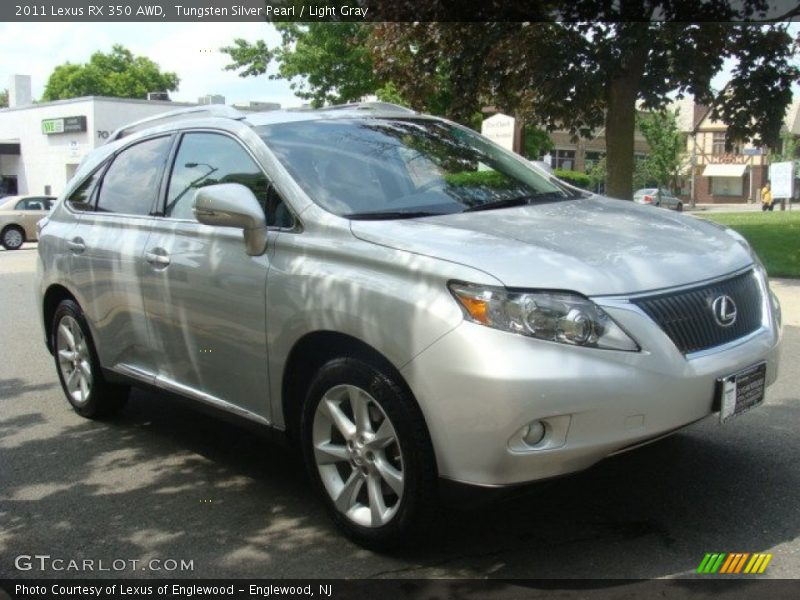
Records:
x=584, y=153
x=716, y=175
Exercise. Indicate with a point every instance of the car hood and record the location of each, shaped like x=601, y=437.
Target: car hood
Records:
x=595, y=246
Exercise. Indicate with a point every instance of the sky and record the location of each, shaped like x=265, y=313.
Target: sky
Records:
x=189, y=49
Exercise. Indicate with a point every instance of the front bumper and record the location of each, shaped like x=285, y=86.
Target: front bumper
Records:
x=478, y=387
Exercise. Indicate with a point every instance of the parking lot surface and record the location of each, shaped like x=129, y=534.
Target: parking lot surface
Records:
x=163, y=482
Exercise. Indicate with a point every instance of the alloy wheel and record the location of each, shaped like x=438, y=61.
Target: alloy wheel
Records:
x=74, y=360
x=12, y=238
x=358, y=455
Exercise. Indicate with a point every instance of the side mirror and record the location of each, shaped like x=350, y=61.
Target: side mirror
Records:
x=233, y=205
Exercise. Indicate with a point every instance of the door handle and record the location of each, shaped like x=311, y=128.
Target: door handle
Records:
x=76, y=245
x=156, y=259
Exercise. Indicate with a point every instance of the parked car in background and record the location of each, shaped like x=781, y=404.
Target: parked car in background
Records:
x=18, y=218
x=414, y=306
x=658, y=197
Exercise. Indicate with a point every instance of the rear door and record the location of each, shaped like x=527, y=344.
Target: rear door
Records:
x=204, y=296
x=107, y=254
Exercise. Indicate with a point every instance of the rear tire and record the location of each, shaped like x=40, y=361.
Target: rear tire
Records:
x=12, y=237
x=369, y=455
x=79, y=369
x=679, y=208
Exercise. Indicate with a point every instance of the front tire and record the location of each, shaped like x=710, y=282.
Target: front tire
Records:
x=12, y=237
x=78, y=367
x=368, y=453
x=679, y=207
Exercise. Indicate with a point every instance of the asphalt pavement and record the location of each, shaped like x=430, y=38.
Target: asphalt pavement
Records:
x=164, y=482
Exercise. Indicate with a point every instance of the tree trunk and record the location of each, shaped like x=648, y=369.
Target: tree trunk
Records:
x=620, y=126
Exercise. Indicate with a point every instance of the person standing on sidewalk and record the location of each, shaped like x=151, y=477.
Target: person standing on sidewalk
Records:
x=766, y=198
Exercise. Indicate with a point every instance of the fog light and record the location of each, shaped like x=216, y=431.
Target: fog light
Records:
x=535, y=433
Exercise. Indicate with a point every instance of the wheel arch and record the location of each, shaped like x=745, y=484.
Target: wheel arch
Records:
x=312, y=351
x=55, y=294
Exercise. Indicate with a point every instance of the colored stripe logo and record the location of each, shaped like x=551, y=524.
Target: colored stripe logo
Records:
x=734, y=563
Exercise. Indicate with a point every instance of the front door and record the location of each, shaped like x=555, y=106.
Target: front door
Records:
x=204, y=295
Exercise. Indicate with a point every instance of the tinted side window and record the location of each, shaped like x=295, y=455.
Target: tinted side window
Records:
x=131, y=183
x=206, y=159
x=81, y=199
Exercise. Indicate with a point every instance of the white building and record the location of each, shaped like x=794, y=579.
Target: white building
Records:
x=41, y=145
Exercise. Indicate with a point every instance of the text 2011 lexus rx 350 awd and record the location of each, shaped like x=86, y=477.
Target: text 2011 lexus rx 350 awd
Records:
x=409, y=302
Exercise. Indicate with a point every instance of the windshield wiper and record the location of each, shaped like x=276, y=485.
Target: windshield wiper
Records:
x=520, y=201
x=397, y=214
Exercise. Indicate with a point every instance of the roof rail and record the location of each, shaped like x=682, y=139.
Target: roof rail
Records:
x=209, y=110
x=376, y=106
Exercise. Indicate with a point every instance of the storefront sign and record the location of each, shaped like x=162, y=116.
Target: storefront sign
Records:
x=64, y=125
x=781, y=176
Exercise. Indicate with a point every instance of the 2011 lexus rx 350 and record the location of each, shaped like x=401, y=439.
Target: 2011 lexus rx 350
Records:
x=409, y=302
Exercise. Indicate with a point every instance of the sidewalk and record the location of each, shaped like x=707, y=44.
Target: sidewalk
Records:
x=755, y=206
x=788, y=292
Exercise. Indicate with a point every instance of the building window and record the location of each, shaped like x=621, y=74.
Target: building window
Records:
x=592, y=158
x=726, y=186
x=565, y=160
x=718, y=145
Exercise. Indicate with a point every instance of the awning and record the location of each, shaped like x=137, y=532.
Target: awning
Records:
x=724, y=170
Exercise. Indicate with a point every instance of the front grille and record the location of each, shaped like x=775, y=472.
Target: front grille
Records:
x=687, y=316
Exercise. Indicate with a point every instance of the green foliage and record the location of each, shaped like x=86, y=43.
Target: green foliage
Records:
x=535, y=142
x=775, y=236
x=660, y=130
x=333, y=62
x=790, y=146
x=585, y=70
x=591, y=67
x=597, y=174
x=641, y=176
x=3, y=98
x=576, y=178
x=390, y=93
x=118, y=74
x=489, y=178
x=324, y=62
x=428, y=70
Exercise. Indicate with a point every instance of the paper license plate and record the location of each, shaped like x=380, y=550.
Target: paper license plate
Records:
x=742, y=391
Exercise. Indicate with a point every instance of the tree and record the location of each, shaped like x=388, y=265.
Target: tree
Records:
x=789, y=148
x=335, y=62
x=667, y=145
x=118, y=74
x=591, y=68
x=3, y=98
x=597, y=174
x=324, y=62
x=535, y=142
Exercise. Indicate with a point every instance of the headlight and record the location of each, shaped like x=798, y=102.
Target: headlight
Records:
x=776, y=308
x=552, y=316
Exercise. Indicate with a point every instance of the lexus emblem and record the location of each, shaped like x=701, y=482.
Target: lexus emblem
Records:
x=724, y=309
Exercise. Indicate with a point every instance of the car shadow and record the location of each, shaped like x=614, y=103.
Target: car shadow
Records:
x=162, y=480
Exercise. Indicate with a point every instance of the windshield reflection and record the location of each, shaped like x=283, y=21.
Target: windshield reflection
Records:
x=403, y=167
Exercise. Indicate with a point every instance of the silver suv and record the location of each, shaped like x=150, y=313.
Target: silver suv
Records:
x=410, y=303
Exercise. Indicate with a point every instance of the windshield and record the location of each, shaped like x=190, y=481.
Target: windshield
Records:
x=390, y=168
